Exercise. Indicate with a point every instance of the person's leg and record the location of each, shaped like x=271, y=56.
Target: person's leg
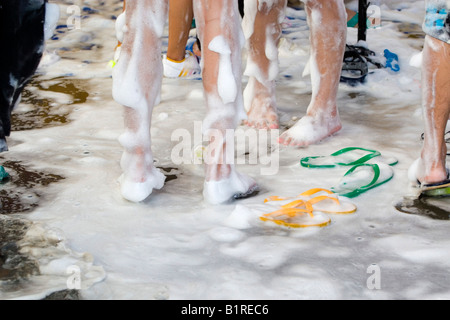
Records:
x=178, y=62
x=181, y=13
x=262, y=28
x=327, y=21
x=136, y=85
x=218, y=24
x=22, y=32
x=436, y=106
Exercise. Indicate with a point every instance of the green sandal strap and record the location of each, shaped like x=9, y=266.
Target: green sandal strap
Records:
x=376, y=173
x=370, y=185
x=306, y=162
x=370, y=155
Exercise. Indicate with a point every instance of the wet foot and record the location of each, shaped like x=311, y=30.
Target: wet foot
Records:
x=225, y=189
x=417, y=173
x=310, y=130
x=139, y=176
x=249, y=193
x=260, y=102
x=262, y=114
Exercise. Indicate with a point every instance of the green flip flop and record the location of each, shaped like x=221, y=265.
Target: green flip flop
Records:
x=349, y=156
x=441, y=189
x=363, y=177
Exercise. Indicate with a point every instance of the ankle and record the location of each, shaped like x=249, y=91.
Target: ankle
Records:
x=172, y=68
x=217, y=172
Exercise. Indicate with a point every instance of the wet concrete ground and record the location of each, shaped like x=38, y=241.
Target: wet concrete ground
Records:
x=20, y=193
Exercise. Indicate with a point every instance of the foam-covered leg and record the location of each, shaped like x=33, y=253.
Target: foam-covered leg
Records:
x=218, y=24
x=327, y=21
x=436, y=109
x=235, y=186
x=136, y=85
x=262, y=30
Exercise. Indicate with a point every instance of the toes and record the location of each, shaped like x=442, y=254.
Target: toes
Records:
x=284, y=141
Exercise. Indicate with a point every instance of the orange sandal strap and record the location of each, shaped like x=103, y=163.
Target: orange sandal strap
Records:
x=314, y=191
x=322, y=198
x=290, y=212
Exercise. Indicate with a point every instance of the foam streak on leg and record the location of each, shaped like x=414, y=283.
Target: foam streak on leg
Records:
x=436, y=108
x=327, y=21
x=262, y=29
x=136, y=85
x=219, y=30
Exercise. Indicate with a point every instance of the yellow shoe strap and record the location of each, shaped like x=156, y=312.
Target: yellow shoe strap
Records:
x=314, y=191
x=175, y=61
x=291, y=213
x=321, y=198
x=304, y=194
x=274, y=198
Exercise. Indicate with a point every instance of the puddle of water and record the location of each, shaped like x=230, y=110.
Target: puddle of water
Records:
x=435, y=208
x=14, y=265
x=411, y=30
x=20, y=193
x=43, y=111
x=171, y=173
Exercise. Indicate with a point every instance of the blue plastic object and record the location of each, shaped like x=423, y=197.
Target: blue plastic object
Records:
x=3, y=174
x=391, y=60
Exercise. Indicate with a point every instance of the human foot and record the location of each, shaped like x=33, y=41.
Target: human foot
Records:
x=139, y=176
x=417, y=173
x=235, y=186
x=260, y=102
x=262, y=114
x=310, y=130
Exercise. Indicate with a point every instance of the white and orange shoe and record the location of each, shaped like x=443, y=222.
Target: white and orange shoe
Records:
x=189, y=67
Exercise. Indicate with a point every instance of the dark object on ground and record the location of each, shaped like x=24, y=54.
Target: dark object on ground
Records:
x=22, y=36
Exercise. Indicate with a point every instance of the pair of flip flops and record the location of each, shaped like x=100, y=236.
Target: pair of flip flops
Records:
x=369, y=169
x=308, y=209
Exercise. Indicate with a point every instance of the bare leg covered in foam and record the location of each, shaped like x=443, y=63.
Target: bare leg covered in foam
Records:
x=218, y=24
x=136, y=85
x=430, y=167
x=327, y=21
x=262, y=30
